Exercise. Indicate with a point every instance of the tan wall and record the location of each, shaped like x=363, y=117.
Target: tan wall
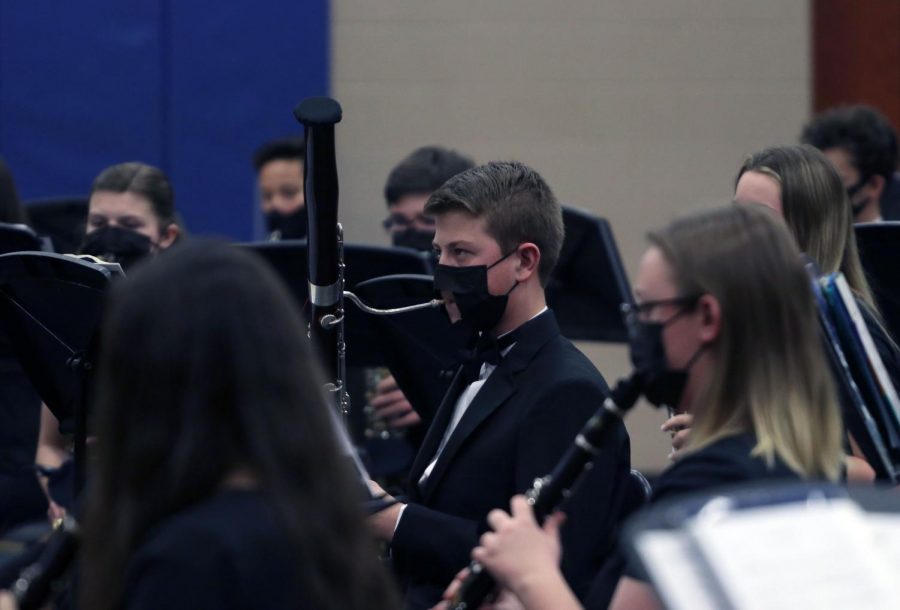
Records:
x=633, y=109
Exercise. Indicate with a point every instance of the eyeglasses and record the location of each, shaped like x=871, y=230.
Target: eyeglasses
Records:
x=398, y=222
x=639, y=312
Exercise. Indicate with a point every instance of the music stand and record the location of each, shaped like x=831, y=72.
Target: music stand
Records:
x=62, y=219
x=690, y=546
x=362, y=262
x=589, y=283
x=21, y=238
x=879, y=250
x=50, y=308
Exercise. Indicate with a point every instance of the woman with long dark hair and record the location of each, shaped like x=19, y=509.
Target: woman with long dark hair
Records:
x=217, y=479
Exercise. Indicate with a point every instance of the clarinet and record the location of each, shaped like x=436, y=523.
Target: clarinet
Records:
x=36, y=583
x=548, y=492
x=319, y=115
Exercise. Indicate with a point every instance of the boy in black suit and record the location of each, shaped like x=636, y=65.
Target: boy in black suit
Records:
x=510, y=415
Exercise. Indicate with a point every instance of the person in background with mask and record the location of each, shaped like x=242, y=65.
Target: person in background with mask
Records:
x=723, y=298
x=279, y=173
x=517, y=404
x=408, y=187
x=862, y=145
x=131, y=213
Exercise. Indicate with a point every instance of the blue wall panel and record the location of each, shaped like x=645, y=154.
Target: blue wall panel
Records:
x=190, y=86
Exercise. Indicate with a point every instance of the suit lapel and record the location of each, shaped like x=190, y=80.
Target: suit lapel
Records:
x=435, y=433
x=492, y=394
x=496, y=390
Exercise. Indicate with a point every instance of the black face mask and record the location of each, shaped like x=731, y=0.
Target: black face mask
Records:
x=478, y=309
x=116, y=245
x=662, y=385
x=413, y=238
x=287, y=226
x=857, y=208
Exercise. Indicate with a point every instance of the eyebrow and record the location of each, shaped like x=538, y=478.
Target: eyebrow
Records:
x=457, y=243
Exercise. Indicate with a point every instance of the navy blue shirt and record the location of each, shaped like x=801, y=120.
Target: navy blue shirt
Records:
x=227, y=552
x=726, y=461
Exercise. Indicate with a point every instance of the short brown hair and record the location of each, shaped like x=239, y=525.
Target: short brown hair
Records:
x=515, y=202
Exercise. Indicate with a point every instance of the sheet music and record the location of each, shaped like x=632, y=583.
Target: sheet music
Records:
x=677, y=574
x=885, y=529
x=817, y=554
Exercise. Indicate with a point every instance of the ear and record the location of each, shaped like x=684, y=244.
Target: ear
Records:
x=876, y=184
x=168, y=236
x=529, y=259
x=710, y=318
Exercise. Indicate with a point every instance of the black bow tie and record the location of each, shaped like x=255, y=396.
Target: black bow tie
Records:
x=488, y=350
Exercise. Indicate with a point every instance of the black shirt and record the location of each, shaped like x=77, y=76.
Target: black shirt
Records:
x=227, y=552
x=727, y=461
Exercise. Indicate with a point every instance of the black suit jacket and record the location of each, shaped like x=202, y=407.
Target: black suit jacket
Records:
x=517, y=428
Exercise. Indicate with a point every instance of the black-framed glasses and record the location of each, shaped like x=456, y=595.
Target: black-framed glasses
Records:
x=399, y=222
x=638, y=312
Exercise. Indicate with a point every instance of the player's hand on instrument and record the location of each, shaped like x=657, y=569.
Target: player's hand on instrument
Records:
x=679, y=428
x=505, y=600
x=391, y=405
x=519, y=551
x=7, y=601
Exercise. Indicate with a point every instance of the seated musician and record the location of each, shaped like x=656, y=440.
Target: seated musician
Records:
x=131, y=215
x=218, y=482
x=802, y=186
x=726, y=297
x=512, y=411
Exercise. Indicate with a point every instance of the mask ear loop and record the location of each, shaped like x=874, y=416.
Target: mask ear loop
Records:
x=503, y=258
x=500, y=260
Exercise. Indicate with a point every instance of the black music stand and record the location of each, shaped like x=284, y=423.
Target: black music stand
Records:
x=21, y=238
x=50, y=308
x=879, y=250
x=288, y=259
x=589, y=283
x=62, y=219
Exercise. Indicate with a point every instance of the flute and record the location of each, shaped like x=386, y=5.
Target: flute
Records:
x=548, y=492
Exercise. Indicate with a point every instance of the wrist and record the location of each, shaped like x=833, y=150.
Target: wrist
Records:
x=542, y=588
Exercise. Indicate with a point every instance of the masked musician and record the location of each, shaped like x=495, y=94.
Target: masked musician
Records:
x=801, y=185
x=408, y=187
x=131, y=215
x=513, y=410
x=279, y=172
x=725, y=295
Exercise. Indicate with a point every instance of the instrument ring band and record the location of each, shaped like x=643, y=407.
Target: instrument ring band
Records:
x=324, y=296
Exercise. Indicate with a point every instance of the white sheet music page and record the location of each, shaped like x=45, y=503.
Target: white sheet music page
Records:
x=677, y=574
x=818, y=554
x=885, y=529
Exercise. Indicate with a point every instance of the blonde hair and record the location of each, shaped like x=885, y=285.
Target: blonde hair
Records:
x=816, y=210
x=769, y=373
